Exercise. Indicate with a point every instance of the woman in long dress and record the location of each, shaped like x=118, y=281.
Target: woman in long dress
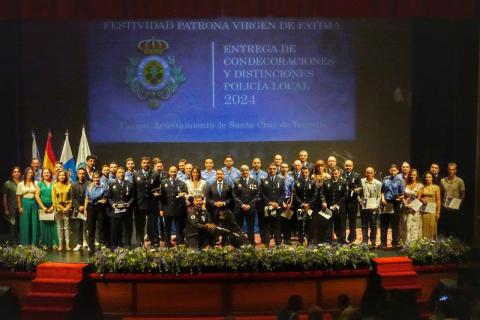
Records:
x=430, y=193
x=43, y=195
x=28, y=209
x=413, y=219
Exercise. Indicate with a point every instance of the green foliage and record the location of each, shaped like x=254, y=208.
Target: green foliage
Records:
x=183, y=260
x=445, y=250
x=21, y=258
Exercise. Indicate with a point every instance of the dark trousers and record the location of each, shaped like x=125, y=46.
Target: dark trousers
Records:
x=392, y=220
x=449, y=223
x=121, y=230
x=272, y=226
x=369, y=220
x=249, y=217
x=78, y=230
x=153, y=215
x=287, y=226
x=15, y=228
x=143, y=212
x=339, y=218
x=96, y=217
x=179, y=228
x=321, y=229
x=260, y=214
x=302, y=226
x=200, y=240
x=352, y=209
x=140, y=218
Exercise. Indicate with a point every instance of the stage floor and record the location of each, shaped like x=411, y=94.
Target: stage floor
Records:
x=83, y=257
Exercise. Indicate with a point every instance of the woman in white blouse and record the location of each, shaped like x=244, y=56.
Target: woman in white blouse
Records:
x=196, y=186
x=28, y=209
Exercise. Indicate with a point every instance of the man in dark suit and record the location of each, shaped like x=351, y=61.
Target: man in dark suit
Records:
x=336, y=193
x=120, y=198
x=173, y=207
x=78, y=189
x=146, y=203
x=219, y=196
x=160, y=175
x=351, y=205
x=296, y=172
x=303, y=157
x=245, y=193
x=272, y=194
x=304, y=191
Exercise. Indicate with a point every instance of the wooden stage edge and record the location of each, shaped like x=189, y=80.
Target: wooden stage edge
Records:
x=212, y=294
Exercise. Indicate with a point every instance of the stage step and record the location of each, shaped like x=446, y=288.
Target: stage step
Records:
x=46, y=313
x=399, y=279
x=50, y=299
x=55, y=285
x=53, y=270
x=54, y=291
x=392, y=264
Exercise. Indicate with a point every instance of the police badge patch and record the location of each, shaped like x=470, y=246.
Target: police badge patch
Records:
x=153, y=77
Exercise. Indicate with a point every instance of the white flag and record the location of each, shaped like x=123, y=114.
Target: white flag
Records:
x=35, y=151
x=67, y=159
x=83, y=150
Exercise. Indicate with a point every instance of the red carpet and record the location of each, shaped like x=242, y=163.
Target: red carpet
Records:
x=53, y=291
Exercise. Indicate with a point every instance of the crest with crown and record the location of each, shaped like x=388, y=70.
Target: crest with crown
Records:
x=152, y=46
x=153, y=77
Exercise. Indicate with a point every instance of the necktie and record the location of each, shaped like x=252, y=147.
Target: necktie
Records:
x=171, y=182
x=220, y=188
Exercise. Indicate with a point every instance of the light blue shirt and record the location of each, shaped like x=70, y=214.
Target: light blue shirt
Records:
x=209, y=176
x=258, y=175
x=231, y=175
x=129, y=176
x=288, y=185
x=182, y=176
x=95, y=194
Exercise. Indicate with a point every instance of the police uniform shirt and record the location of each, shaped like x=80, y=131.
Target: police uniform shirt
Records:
x=231, y=175
x=304, y=191
x=336, y=192
x=258, y=175
x=272, y=189
x=245, y=191
x=353, y=182
x=209, y=176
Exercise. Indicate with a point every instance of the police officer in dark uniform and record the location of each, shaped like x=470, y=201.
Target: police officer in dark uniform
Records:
x=160, y=175
x=245, y=194
x=146, y=203
x=354, y=187
x=272, y=194
x=199, y=229
x=173, y=207
x=336, y=193
x=120, y=197
x=219, y=196
x=304, y=191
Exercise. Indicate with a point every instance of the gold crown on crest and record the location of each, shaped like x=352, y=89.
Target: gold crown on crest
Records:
x=152, y=46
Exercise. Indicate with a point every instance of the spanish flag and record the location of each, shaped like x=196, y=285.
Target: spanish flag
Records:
x=49, y=158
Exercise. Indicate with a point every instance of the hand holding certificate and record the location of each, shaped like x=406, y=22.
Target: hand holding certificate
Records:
x=452, y=203
x=430, y=207
x=43, y=215
x=415, y=205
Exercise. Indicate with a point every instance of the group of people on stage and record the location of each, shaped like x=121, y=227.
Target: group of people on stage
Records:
x=314, y=202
